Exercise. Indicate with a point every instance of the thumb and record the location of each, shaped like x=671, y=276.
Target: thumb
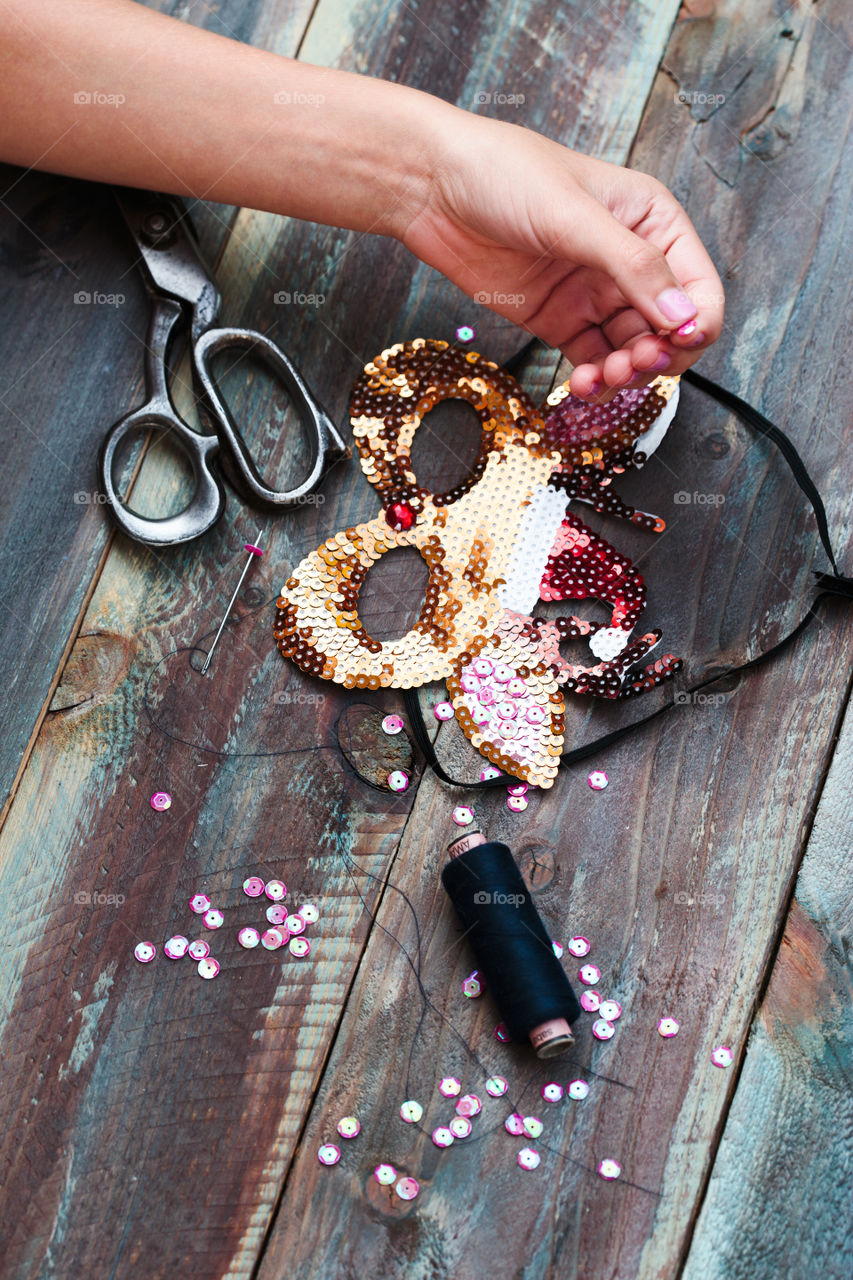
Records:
x=636, y=266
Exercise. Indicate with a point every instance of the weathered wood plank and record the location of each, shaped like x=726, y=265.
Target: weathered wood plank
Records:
x=146, y=1080
x=680, y=871
x=70, y=369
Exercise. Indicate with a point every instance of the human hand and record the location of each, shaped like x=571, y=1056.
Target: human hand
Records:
x=592, y=258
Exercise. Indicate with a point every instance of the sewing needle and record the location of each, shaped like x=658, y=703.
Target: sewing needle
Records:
x=253, y=551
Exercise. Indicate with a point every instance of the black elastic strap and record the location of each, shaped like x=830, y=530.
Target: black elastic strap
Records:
x=830, y=584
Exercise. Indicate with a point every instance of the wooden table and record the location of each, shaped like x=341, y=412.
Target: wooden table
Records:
x=157, y=1125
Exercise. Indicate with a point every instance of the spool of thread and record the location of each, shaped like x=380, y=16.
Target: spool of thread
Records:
x=511, y=944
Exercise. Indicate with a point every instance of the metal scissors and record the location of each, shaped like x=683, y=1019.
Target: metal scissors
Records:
x=181, y=288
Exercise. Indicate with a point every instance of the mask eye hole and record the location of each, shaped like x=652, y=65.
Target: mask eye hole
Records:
x=371, y=753
x=393, y=595
x=446, y=446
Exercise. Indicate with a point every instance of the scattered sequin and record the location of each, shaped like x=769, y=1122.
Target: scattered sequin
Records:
x=442, y=1137
x=349, y=1127
x=462, y=816
x=465, y=333
x=588, y=974
x=610, y=1010
x=474, y=985
x=411, y=1112
x=668, y=1027
x=533, y=1126
x=253, y=887
x=514, y=1124
x=208, y=968
x=393, y=724
x=528, y=1158
x=329, y=1153
x=176, y=947
x=248, y=938
x=517, y=803
x=489, y=772
x=590, y=1001
x=213, y=919
x=443, y=711
x=199, y=949
x=276, y=914
x=385, y=1174
x=518, y=789
x=598, y=780
x=272, y=939
x=449, y=1087
x=602, y=1029
x=407, y=1188
x=145, y=952
x=496, y=1086
x=557, y=948
x=199, y=903
x=552, y=1092
x=309, y=912
x=579, y=946
x=469, y=1105
x=460, y=1127
x=161, y=800
x=502, y=1034
x=398, y=780
x=722, y=1056
x=299, y=947
x=295, y=924
x=609, y=1169
x=578, y=1089
x=275, y=890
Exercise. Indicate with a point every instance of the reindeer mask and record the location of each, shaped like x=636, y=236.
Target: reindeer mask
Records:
x=494, y=546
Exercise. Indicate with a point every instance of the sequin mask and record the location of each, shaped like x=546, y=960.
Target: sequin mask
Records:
x=494, y=546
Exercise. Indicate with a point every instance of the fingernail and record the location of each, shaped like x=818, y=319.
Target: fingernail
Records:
x=675, y=304
x=662, y=362
x=700, y=337
x=685, y=330
x=594, y=389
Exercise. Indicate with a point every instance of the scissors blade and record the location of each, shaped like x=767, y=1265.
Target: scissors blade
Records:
x=169, y=256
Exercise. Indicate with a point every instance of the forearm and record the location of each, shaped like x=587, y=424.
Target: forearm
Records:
x=174, y=108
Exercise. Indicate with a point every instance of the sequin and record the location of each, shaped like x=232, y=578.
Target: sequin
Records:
x=275, y=890
x=528, y=1158
x=349, y=1127
x=578, y=1090
x=496, y=1086
x=514, y=1124
x=552, y=1092
x=145, y=952
x=502, y=1034
x=533, y=1126
x=609, y=1169
x=208, y=968
x=518, y=789
x=557, y=948
x=295, y=924
x=469, y=1105
x=272, y=939
x=199, y=949
x=443, y=711
x=392, y=725
x=329, y=1153
x=474, y=985
x=407, y=1188
x=462, y=816
x=199, y=903
x=517, y=803
x=309, y=912
x=465, y=333
x=610, y=1010
x=213, y=919
x=579, y=946
x=176, y=947
x=253, y=887
x=722, y=1056
x=668, y=1027
x=385, y=1174
x=276, y=914
x=442, y=1137
x=449, y=1087
x=411, y=1112
x=590, y=1001
x=161, y=800
x=248, y=938
x=598, y=780
x=489, y=772
x=398, y=780
x=460, y=1127
x=588, y=974
x=602, y=1029
x=300, y=948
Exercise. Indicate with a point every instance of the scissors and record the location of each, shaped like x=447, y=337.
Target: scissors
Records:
x=181, y=288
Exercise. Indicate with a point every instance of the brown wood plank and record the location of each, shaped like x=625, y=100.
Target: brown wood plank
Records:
x=70, y=368
x=167, y=1107
x=681, y=870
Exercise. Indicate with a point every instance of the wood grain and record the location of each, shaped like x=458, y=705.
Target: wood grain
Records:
x=167, y=1108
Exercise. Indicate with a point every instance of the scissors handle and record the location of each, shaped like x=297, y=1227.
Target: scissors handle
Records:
x=327, y=445
x=159, y=414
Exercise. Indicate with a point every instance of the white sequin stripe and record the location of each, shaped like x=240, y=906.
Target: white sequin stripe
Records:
x=649, y=442
x=539, y=523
